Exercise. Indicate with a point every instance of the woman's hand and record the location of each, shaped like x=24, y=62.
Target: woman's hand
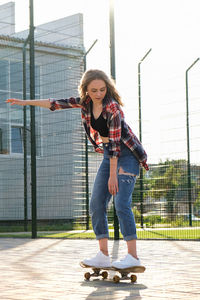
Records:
x=13, y=101
x=113, y=185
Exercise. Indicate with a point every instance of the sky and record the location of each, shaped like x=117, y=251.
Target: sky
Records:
x=171, y=29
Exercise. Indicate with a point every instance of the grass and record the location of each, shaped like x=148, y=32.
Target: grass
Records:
x=181, y=234
x=178, y=234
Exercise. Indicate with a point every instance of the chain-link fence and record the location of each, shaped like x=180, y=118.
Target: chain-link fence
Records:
x=60, y=140
x=170, y=207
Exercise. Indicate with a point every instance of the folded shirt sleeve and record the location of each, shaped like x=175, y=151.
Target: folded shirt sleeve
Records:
x=115, y=134
x=64, y=103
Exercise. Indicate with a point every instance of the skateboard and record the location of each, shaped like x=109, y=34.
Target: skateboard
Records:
x=124, y=273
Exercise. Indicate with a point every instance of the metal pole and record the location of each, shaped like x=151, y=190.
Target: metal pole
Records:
x=33, y=139
x=113, y=74
x=112, y=40
x=188, y=145
x=86, y=53
x=86, y=155
x=25, y=138
x=140, y=135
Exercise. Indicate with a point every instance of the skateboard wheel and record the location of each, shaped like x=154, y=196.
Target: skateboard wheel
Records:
x=133, y=278
x=87, y=276
x=104, y=275
x=116, y=278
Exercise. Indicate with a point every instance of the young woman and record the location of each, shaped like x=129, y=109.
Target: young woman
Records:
x=104, y=124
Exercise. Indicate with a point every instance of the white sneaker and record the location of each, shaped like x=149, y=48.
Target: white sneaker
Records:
x=99, y=261
x=127, y=262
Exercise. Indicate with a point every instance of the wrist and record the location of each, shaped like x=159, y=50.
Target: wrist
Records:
x=113, y=174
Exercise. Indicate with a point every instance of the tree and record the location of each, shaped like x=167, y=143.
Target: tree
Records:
x=197, y=206
x=167, y=178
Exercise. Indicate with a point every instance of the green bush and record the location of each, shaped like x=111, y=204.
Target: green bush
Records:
x=152, y=220
x=137, y=215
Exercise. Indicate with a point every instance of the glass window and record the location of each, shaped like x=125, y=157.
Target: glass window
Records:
x=1, y=142
x=4, y=75
x=16, y=111
x=4, y=124
x=11, y=86
x=16, y=77
x=16, y=140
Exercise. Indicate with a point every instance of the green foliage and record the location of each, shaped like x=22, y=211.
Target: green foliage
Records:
x=168, y=180
x=197, y=205
x=150, y=221
x=137, y=215
x=179, y=222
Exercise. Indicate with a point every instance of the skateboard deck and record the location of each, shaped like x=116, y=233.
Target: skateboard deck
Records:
x=124, y=273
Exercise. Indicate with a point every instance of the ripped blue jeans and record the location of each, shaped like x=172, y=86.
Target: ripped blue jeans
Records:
x=123, y=199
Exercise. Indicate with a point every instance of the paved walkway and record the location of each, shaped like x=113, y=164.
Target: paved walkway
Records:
x=48, y=269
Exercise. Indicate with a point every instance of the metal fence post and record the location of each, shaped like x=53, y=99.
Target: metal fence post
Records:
x=33, y=138
x=188, y=145
x=25, y=137
x=112, y=67
x=86, y=153
x=140, y=135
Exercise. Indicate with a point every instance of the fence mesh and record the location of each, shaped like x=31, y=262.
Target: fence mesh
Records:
x=62, y=200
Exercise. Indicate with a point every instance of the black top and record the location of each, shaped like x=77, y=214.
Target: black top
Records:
x=99, y=124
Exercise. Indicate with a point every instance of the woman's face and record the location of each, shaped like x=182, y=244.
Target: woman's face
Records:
x=97, y=90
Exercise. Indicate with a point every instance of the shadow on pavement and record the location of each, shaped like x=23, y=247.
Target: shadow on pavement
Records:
x=10, y=243
x=108, y=289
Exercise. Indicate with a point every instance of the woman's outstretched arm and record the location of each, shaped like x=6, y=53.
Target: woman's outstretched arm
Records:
x=52, y=104
x=45, y=103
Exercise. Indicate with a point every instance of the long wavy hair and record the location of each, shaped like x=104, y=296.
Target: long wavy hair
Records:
x=91, y=75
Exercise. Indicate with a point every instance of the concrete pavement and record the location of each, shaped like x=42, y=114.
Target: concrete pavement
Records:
x=48, y=269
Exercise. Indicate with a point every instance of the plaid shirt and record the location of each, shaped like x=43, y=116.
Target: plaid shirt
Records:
x=118, y=129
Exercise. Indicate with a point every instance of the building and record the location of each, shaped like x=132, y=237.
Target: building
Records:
x=60, y=138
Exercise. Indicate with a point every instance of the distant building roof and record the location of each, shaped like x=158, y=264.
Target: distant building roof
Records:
x=11, y=41
x=65, y=33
